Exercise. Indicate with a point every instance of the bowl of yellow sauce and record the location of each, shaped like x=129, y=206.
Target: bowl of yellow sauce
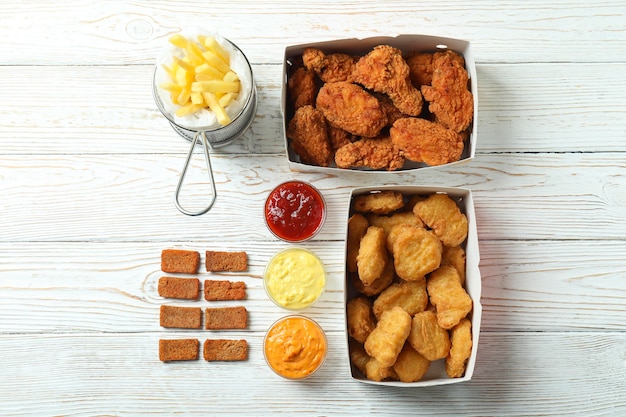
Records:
x=295, y=347
x=294, y=278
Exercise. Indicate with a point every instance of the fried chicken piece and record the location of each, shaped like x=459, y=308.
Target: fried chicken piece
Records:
x=357, y=226
x=448, y=296
x=410, y=365
x=425, y=141
x=448, y=95
x=309, y=137
x=384, y=70
x=374, y=153
x=427, y=337
x=387, y=339
x=372, y=257
x=410, y=295
x=339, y=137
x=461, y=349
x=302, y=88
x=416, y=251
x=351, y=108
x=421, y=65
x=360, y=319
x=383, y=202
x=329, y=68
x=443, y=216
x=391, y=111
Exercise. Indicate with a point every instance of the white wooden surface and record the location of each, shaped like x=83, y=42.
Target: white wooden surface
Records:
x=88, y=169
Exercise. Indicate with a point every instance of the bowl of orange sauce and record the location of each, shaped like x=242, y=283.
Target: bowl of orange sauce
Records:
x=295, y=347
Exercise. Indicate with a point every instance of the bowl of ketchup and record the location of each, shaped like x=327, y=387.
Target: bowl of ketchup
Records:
x=295, y=211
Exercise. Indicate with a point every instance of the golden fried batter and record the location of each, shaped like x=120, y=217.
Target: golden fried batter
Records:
x=448, y=296
x=450, y=99
x=443, y=216
x=421, y=65
x=302, y=88
x=377, y=372
x=455, y=256
x=309, y=137
x=372, y=257
x=388, y=222
x=410, y=295
x=351, y=108
x=374, y=153
x=330, y=68
x=461, y=349
x=378, y=285
x=360, y=318
x=384, y=70
x=386, y=340
x=427, y=337
x=410, y=366
x=383, y=202
x=416, y=251
x=358, y=355
x=357, y=226
x=425, y=141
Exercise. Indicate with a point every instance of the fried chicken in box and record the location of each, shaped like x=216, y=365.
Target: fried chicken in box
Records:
x=309, y=136
x=329, y=68
x=448, y=95
x=385, y=71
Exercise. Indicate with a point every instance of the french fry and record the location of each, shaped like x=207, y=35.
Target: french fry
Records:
x=202, y=78
x=215, y=86
x=220, y=112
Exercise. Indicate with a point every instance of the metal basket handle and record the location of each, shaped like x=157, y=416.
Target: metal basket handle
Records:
x=199, y=136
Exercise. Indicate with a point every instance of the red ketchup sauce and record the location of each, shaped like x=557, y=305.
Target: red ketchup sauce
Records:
x=294, y=211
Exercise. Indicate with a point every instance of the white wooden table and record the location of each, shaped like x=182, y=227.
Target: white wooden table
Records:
x=88, y=168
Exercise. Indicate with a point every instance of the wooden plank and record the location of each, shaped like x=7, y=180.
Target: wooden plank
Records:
x=112, y=287
x=130, y=197
x=522, y=108
x=120, y=374
x=78, y=33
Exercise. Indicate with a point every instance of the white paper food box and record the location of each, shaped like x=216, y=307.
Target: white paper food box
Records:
x=436, y=374
x=406, y=43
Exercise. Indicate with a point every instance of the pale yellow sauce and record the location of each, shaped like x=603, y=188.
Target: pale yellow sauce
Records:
x=295, y=347
x=295, y=278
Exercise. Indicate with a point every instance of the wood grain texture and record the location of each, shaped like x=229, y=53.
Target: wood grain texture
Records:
x=88, y=170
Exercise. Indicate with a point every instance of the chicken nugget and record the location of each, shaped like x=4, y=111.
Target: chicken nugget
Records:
x=378, y=285
x=358, y=355
x=410, y=366
x=461, y=349
x=443, y=216
x=329, y=67
x=372, y=257
x=388, y=222
x=455, y=256
x=308, y=136
x=448, y=296
x=357, y=226
x=377, y=372
x=374, y=153
x=424, y=141
x=360, y=319
x=449, y=97
x=387, y=339
x=427, y=337
x=351, y=108
x=410, y=295
x=302, y=88
x=382, y=202
x=416, y=251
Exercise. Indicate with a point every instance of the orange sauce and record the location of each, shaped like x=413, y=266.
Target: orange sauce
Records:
x=295, y=347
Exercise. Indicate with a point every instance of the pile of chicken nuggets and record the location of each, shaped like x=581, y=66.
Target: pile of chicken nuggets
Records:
x=378, y=110
x=405, y=260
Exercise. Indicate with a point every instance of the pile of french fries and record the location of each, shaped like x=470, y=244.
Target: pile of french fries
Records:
x=201, y=79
